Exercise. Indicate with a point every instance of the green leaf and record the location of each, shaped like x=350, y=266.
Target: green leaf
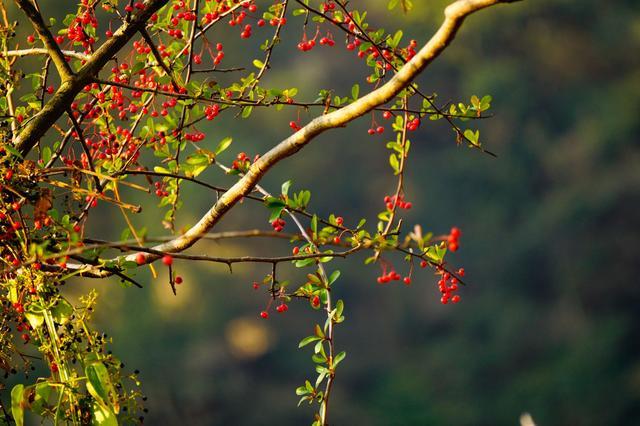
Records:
x=472, y=136
x=355, y=91
x=394, y=163
x=62, y=311
x=41, y=399
x=339, y=308
x=246, y=111
x=34, y=316
x=395, y=40
x=223, y=145
x=339, y=358
x=17, y=410
x=309, y=339
x=10, y=149
x=334, y=276
x=285, y=188
x=258, y=63
x=304, y=262
x=99, y=385
x=103, y=416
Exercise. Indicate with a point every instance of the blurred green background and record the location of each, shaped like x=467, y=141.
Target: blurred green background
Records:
x=550, y=323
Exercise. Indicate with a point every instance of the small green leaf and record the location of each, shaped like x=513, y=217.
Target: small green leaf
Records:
x=246, y=111
x=285, y=188
x=258, y=63
x=334, y=276
x=394, y=163
x=339, y=358
x=17, y=394
x=223, y=145
x=309, y=339
x=62, y=311
x=355, y=91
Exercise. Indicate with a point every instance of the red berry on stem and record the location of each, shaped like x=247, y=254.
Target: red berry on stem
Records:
x=455, y=232
x=167, y=260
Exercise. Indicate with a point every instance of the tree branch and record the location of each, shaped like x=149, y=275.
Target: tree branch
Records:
x=454, y=17
x=43, y=51
x=47, y=38
x=69, y=88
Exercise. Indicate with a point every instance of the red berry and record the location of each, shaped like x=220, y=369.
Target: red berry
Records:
x=256, y=285
x=315, y=301
x=178, y=280
x=407, y=280
x=296, y=250
x=423, y=264
x=455, y=232
x=31, y=38
x=461, y=272
x=453, y=246
x=455, y=299
x=264, y=314
x=167, y=260
x=140, y=258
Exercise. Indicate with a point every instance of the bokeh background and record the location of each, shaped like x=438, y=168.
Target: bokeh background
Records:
x=550, y=323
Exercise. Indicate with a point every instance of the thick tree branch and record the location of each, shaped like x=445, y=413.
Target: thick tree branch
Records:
x=454, y=17
x=68, y=90
x=47, y=38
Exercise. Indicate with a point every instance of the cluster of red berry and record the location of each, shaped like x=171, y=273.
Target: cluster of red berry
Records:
x=387, y=277
x=212, y=111
x=413, y=124
x=160, y=191
x=397, y=201
x=453, y=239
x=328, y=6
x=448, y=285
x=373, y=130
x=306, y=45
x=242, y=162
x=278, y=224
x=140, y=46
x=327, y=41
x=194, y=137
